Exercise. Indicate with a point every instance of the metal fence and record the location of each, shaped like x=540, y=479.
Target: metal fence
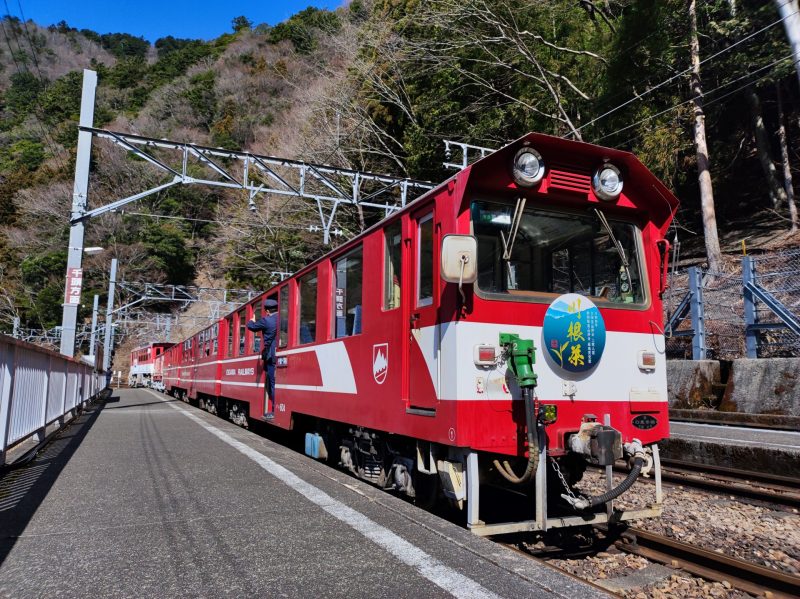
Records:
x=751, y=310
x=39, y=387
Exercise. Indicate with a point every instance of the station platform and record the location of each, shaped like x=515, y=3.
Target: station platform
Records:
x=747, y=448
x=144, y=495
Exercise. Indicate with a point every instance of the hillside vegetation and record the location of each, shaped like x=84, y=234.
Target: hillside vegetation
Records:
x=376, y=85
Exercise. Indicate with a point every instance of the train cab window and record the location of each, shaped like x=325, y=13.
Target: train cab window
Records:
x=256, y=336
x=392, y=274
x=242, y=330
x=229, y=326
x=283, y=316
x=307, y=326
x=215, y=339
x=425, y=261
x=347, y=294
x=557, y=253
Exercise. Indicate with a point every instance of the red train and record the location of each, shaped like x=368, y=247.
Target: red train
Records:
x=501, y=331
x=143, y=362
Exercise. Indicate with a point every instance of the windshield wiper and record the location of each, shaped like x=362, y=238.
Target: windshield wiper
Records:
x=617, y=245
x=508, y=244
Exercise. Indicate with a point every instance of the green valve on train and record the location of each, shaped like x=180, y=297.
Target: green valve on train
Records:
x=522, y=357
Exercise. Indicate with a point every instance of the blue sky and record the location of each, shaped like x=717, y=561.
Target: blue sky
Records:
x=152, y=19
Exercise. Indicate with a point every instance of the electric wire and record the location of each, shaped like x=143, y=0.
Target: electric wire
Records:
x=352, y=131
x=706, y=103
x=46, y=138
x=635, y=45
x=685, y=71
x=212, y=221
x=709, y=103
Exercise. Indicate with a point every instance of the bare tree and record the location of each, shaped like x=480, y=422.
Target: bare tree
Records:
x=776, y=192
x=787, y=171
x=484, y=35
x=713, y=252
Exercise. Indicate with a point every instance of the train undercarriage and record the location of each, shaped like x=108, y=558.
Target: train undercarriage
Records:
x=473, y=483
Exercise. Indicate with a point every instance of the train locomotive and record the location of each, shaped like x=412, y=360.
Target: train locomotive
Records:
x=145, y=365
x=502, y=331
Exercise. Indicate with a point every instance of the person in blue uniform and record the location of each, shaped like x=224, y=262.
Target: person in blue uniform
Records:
x=268, y=325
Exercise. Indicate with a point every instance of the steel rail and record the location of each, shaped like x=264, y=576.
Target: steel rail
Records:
x=776, y=480
x=742, y=575
x=782, y=490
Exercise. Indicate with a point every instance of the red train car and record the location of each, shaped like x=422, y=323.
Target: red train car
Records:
x=503, y=329
x=143, y=360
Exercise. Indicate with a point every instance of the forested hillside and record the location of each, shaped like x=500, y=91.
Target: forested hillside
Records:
x=378, y=85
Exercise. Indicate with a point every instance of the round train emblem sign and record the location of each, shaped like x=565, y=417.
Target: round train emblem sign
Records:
x=574, y=333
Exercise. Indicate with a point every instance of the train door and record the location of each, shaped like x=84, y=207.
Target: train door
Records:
x=197, y=354
x=420, y=295
x=281, y=342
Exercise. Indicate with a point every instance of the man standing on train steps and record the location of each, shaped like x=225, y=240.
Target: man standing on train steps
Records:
x=268, y=325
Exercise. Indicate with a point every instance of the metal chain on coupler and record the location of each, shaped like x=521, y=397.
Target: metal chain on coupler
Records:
x=562, y=479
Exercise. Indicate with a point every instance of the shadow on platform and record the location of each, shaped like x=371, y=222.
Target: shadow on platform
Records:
x=24, y=488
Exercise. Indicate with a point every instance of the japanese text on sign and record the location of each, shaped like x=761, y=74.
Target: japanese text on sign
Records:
x=73, y=287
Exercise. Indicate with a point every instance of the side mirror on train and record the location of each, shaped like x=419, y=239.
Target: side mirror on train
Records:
x=459, y=259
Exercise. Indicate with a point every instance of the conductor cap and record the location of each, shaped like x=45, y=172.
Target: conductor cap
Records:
x=270, y=304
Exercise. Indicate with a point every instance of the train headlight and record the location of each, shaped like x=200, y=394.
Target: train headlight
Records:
x=607, y=182
x=528, y=167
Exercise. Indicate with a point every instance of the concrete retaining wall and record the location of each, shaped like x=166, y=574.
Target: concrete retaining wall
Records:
x=765, y=386
x=690, y=383
x=757, y=459
x=762, y=386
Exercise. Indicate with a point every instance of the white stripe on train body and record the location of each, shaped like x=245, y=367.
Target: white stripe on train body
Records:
x=452, y=364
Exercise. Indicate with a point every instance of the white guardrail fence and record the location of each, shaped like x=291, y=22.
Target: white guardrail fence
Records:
x=39, y=387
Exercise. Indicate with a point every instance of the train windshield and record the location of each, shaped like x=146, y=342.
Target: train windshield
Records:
x=529, y=251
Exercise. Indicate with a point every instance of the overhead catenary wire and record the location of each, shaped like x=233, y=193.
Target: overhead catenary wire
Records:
x=684, y=72
x=215, y=221
x=707, y=103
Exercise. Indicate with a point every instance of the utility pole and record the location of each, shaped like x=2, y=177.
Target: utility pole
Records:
x=80, y=193
x=93, y=336
x=108, y=343
x=713, y=251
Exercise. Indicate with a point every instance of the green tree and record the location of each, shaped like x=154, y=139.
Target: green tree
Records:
x=241, y=23
x=22, y=95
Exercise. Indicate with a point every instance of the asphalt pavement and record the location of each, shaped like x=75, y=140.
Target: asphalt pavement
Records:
x=145, y=496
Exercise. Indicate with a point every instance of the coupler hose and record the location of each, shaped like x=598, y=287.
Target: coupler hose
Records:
x=533, y=447
x=583, y=503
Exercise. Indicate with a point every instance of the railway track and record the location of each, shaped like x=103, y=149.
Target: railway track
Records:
x=771, y=488
x=710, y=565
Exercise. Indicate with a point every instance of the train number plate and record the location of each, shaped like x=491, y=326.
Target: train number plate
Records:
x=644, y=421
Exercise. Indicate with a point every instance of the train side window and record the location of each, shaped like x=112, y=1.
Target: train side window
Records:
x=307, y=329
x=215, y=338
x=347, y=294
x=283, y=316
x=425, y=261
x=392, y=274
x=257, y=336
x=242, y=330
x=229, y=320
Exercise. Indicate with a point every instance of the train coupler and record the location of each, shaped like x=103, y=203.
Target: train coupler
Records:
x=599, y=443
